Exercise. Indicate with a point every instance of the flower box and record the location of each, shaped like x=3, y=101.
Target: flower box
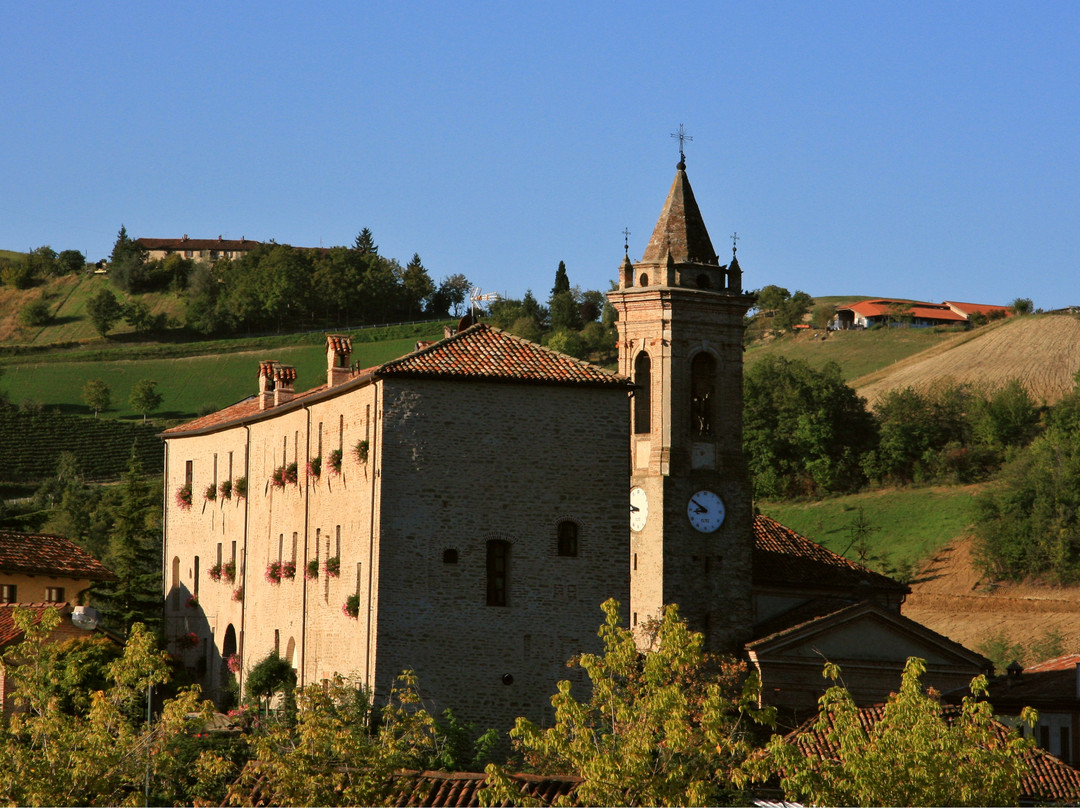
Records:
x=361, y=451
x=314, y=467
x=312, y=571
x=225, y=489
x=335, y=462
x=288, y=569
x=273, y=572
x=183, y=497
x=210, y=493
x=333, y=566
x=240, y=487
x=351, y=606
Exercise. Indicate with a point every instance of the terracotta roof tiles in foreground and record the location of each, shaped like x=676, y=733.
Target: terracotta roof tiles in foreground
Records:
x=42, y=554
x=9, y=632
x=485, y=353
x=1048, y=781
x=438, y=789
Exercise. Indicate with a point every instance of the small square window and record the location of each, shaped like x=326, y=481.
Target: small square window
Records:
x=54, y=594
x=449, y=555
x=9, y=593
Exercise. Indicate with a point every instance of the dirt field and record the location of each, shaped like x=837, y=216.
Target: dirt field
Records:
x=952, y=599
x=1043, y=352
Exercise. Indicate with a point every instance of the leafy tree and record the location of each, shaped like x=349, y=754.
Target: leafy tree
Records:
x=785, y=308
x=916, y=753
x=592, y=303
x=1009, y=417
x=36, y=313
x=70, y=261
x=567, y=342
x=667, y=727
x=104, y=310
x=17, y=273
x=455, y=289
x=134, y=554
x=564, y=312
x=144, y=397
x=1022, y=305
x=96, y=395
x=268, y=677
x=805, y=431
x=126, y=262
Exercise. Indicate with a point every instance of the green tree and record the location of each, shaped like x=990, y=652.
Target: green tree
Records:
x=417, y=286
x=134, y=554
x=671, y=726
x=784, y=308
x=562, y=280
x=916, y=753
x=1022, y=305
x=96, y=395
x=36, y=313
x=104, y=310
x=71, y=261
x=455, y=289
x=365, y=243
x=144, y=397
x=805, y=431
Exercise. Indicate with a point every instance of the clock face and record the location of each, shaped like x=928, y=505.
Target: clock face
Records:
x=705, y=511
x=639, y=508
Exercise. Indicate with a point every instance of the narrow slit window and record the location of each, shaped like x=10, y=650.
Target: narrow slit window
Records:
x=498, y=572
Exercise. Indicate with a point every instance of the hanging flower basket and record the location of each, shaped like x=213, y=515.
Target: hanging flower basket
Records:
x=312, y=571
x=284, y=475
x=273, y=572
x=192, y=602
x=288, y=569
x=210, y=493
x=240, y=487
x=238, y=594
x=314, y=467
x=335, y=462
x=351, y=606
x=183, y=497
x=333, y=566
x=291, y=474
x=228, y=571
x=361, y=451
x=225, y=489
x=233, y=661
x=214, y=573
x=186, y=641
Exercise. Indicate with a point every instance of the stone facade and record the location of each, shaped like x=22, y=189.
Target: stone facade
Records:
x=455, y=464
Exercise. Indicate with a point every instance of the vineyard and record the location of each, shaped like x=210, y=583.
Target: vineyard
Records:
x=31, y=442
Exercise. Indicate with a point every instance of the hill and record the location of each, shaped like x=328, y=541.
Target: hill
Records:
x=1041, y=351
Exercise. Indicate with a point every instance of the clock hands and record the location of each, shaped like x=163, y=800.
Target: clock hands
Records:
x=697, y=507
x=634, y=508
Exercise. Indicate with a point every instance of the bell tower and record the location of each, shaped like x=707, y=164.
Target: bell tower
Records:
x=680, y=330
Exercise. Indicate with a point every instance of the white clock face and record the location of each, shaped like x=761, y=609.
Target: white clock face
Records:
x=705, y=511
x=639, y=509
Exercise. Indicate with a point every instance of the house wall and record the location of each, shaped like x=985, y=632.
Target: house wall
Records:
x=32, y=588
x=466, y=463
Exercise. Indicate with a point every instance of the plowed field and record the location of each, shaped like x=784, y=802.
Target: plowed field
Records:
x=1042, y=351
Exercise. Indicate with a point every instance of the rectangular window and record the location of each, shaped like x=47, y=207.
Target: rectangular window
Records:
x=498, y=572
x=1044, y=737
x=294, y=538
x=1064, y=736
x=195, y=583
x=9, y=593
x=230, y=465
x=232, y=557
x=187, y=472
x=337, y=541
x=319, y=452
x=214, y=479
x=280, y=546
x=341, y=433
x=219, y=554
x=54, y=594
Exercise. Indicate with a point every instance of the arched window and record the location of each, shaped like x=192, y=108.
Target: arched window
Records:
x=568, y=538
x=703, y=281
x=498, y=572
x=643, y=380
x=702, y=384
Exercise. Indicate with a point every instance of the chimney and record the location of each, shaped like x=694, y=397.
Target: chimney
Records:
x=338, y=348
x=266, y=383
x=284, y=381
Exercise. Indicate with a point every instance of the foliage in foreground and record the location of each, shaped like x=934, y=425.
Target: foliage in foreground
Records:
x=671, y=726
x=914, y=755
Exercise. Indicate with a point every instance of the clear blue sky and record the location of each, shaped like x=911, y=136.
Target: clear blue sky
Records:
x=914, y=149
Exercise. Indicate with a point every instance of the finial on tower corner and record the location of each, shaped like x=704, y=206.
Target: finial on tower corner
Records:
x=626, y=242
x=734, y=244
x=683, y=137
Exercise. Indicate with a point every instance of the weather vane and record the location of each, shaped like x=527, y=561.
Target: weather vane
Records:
x=626, y=241
x=683, y=137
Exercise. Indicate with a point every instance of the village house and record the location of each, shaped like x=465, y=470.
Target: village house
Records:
x=200, y=250
x=39, y=568
x=464, y=510
x=912, y=313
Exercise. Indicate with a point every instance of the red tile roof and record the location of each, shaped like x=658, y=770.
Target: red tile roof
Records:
x=1061, y=663
x=439, y=789
x=967, y=309
x=9, y=632
x=916, y=308
x=1049, y=780
x=483, y=352
x=186, y=243
x=39, y=554
x=782, y=557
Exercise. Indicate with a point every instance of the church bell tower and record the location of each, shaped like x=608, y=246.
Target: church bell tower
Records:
x=680, y=327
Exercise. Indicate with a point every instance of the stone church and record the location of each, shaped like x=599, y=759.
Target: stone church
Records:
x=463, y=511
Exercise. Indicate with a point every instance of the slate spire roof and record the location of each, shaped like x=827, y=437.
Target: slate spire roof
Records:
x=680, y=230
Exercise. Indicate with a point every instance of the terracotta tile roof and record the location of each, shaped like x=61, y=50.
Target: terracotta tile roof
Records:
x=39, y=554
x=967, y=309
x=484, y=352
x=916, y=308
x=1053, y=682
x=438, y=789
x=1061, y=663
x=9, y=632
x=340, y=343
x=782, y=557
x=680, y=229
x=186, y=243
x=1049, y=780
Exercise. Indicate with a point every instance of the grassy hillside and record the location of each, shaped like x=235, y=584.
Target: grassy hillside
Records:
x=190, y=384
x=906, y=525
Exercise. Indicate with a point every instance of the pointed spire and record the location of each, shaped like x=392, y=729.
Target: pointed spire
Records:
x=680, y=228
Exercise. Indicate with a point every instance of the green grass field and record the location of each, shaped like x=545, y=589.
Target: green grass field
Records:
x=907, y=525
x=190, y=385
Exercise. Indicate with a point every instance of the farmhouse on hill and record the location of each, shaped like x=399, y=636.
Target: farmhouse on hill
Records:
x=913, y=313
x=201, y=250
x=464, y=510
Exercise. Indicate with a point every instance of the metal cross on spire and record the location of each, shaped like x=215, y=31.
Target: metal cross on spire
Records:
x=626, y=241
x=683, y=137
x=734, y=243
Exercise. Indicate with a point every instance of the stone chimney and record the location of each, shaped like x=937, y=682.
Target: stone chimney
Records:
x=338, y=348
x=284, y=383
x=266, y=383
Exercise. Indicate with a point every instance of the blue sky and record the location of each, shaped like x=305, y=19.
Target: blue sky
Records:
x=909, y=149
